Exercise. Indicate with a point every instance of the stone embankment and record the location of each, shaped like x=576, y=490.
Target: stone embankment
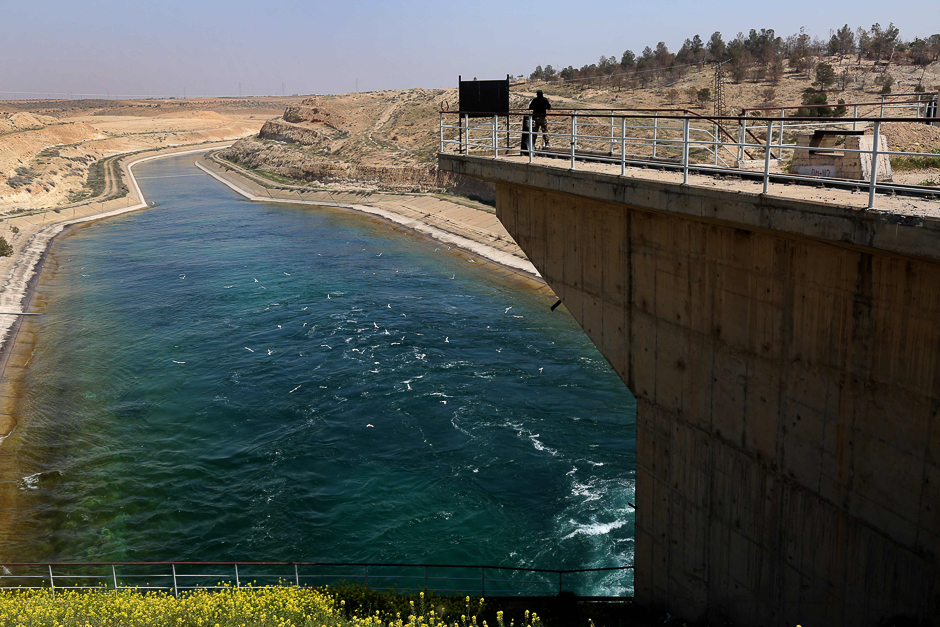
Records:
x=291, y=162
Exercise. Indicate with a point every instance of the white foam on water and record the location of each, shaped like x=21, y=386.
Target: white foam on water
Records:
x=594, y=529
x=31, y=482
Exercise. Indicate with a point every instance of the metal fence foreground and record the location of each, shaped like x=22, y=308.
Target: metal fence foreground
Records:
x=181, y=577
x=750, y=147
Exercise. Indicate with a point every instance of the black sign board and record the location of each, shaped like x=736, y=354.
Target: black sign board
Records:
x=484, y=98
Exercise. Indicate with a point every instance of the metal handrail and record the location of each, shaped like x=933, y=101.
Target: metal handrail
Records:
x=183, y=579
x=761, y=135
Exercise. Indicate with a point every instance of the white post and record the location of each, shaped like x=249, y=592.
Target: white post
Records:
x=531, y=138
x=442, y=133
x=685, y=151
x=655, y=131
x=296, y=576
x=780, y=132
x=716, y=143
x=873, y=183
x=175, y=589
x=882, y=113
x=495, y=137
x=770, y=132
x=466, y=137
x=238, y=583
x=855, y=122
x=611, y=134
x=114, y=577
x=741, y=138
x=574, y=135
x=51, y=581
x=623, y=146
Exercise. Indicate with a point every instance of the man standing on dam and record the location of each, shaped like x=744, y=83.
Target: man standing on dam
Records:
x=539, y=107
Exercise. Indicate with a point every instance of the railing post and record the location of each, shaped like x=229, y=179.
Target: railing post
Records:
x=717, y=143
x=466, y=146
x=114, y=577
x=442, y=132
x=882, y=113
x=742, y=135
x=175, y=589
x=780, y=132
x=574, y=135
x=495, y=138
x=855, y=122
x=685, y=151
x=770, y=131
x=655, y=131
x=873, y=183
x=611, y=134
x=623, y=146
x=51, y=580
x=296, y=576
x=531, y=138
x=238, y=583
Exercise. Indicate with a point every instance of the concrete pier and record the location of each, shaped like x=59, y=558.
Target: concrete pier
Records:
x=785, y=356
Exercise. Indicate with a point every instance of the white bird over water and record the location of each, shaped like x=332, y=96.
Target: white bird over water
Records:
x=327, y=345
x=177, y=362
x=507, y=310
x=370, y=425
x=228, y=286
x=295, y=389
x=447, y=340
x=278, y=326
x=256, y=280
x=376, y=324
x=270, y=352
x=389, y=305
x=248, y=349
x=287, y=273
x=328, y=297
x=182, y=276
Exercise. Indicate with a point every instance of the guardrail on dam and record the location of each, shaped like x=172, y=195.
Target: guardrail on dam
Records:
x=785, y=356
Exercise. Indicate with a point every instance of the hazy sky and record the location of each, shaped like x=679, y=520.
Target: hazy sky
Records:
x=208, y=47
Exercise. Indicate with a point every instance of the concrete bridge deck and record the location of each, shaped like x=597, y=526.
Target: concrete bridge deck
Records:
x=784, y=349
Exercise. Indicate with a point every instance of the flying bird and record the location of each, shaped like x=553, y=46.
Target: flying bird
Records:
x=177, y=362
x=295, y=389
x=248, y=349
x=270, y=352
x=287, y=274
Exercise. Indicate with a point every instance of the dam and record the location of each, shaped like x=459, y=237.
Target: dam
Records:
x=783, y=347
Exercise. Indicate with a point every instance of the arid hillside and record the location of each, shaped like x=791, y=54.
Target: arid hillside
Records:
x=388, y=140
x=48, y=149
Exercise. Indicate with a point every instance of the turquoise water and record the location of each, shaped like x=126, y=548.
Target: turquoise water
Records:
x=222, y=380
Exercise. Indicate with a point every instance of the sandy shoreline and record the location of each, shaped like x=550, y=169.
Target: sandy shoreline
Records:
x=471, y=230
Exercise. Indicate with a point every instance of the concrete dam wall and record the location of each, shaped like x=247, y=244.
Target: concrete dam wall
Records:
x=786, y=363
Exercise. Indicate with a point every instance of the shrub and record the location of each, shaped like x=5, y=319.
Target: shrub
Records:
x=5, y=249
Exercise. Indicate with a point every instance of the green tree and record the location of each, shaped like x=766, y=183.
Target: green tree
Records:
x=825, y=76
x=5, y=249
x=704, y=95
x=716, y=47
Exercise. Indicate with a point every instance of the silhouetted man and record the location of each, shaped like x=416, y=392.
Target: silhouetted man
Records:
x=539, y=107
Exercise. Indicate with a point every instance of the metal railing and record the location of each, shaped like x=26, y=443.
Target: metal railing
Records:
x=181, y=577
x=682, y=141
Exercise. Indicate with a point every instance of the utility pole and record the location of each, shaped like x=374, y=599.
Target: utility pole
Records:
x=283, y=92
x=184, y=92
x=719, y=90
x=239, y=90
